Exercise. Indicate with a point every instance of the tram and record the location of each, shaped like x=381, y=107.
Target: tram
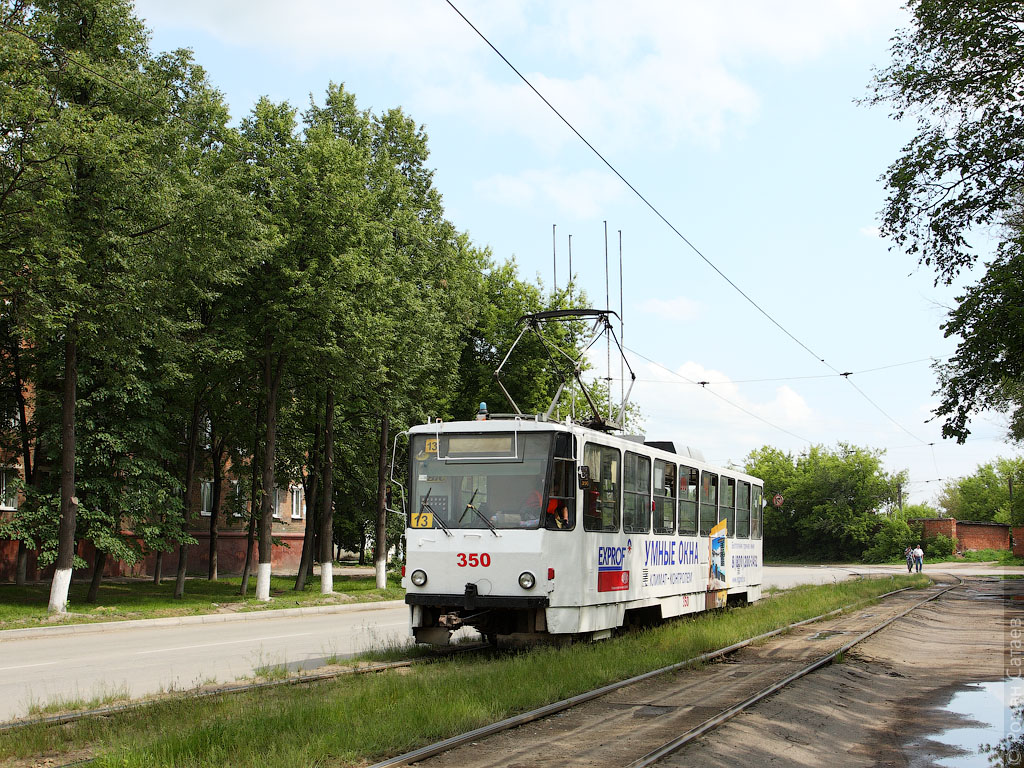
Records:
x=527, y=526
x=523, y=528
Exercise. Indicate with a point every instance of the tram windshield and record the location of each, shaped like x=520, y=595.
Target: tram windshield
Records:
x=481, y=480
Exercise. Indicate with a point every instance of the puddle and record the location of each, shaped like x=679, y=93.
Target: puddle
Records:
x=997, y=740
x=826, y=633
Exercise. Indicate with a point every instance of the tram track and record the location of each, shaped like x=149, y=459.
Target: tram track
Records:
x=670, y=747
x=541, y=714
x=456, y=744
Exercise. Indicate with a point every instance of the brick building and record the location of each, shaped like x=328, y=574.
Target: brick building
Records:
x=289, y=527
x=970, y=535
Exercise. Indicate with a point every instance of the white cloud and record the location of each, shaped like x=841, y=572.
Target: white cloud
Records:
x=679, y=309
x=581, y=194
x=655, y=72
x=692, y=415
x=871, y=231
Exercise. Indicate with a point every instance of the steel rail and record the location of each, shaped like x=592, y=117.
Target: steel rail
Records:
x=559, y=706
x=713, y=722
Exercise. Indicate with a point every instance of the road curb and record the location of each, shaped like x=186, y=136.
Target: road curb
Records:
x=210, y=618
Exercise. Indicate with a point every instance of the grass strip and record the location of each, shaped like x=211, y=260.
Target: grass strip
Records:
x=352, y=721
x=26, y=606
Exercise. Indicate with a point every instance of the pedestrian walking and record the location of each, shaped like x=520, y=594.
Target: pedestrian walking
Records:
x=918, y=558
x=908, y=555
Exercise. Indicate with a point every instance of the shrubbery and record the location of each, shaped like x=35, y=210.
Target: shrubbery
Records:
x=939, y=545
x=893, y=536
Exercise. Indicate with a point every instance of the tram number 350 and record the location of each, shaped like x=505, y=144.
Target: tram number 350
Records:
x=473, y=560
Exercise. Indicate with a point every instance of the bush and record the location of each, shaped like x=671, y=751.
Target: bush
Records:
x=889, y=541
x=939, y=546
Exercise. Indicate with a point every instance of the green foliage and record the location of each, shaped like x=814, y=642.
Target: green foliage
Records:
x=958, y=69
x=890, y=540
x=985, y=495
x=832, y=500
x=987, y=370
x=200, y=268
x=911, y=511
x=939, y=545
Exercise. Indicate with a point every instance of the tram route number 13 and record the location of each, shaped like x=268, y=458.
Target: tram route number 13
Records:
x=473, y=560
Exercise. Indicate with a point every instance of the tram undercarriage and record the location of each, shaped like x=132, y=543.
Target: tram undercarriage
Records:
x=438, y=616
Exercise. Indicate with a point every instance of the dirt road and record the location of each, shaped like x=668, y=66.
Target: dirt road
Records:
x=874, y=709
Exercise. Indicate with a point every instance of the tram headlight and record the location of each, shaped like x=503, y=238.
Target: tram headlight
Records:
x=527, y=580
x=418, y=577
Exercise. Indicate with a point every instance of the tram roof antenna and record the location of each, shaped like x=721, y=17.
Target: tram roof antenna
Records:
x=570, y=365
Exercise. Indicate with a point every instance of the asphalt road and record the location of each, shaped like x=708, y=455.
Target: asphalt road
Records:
x=147, y=658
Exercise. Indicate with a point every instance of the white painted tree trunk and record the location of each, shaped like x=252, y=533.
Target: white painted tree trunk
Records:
x=381, y=568
x=59, y=590
x=263, y=582
x=326, y=578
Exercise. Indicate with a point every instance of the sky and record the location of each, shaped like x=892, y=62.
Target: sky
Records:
x=739, y=122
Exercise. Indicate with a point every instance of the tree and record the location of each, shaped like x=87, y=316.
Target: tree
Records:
x=987, y=369
x=93, y=143
x=832, y=499
x=985, y=495
x=959, y=69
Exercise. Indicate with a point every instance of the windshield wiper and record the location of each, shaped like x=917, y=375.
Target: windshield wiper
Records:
x=433, y=515
x=479, y=514
x=469, y=505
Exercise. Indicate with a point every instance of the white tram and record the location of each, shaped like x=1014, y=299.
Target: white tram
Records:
x=526, y=527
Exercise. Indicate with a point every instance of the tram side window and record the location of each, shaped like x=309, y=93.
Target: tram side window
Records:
x=601, y=505
x=708, y=502
x=689, y=482
x=664, y=496
x=636, y=515
x=743, y=510
x=561, y=509
x=756, y=512
x=727, y=505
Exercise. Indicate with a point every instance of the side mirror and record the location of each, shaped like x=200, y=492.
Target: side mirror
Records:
x=584, y=473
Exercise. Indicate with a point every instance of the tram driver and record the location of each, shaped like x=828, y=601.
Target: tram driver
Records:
x=560, y=511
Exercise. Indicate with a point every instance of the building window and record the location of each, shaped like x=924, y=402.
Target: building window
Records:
x=8, y=491
x=297, y=503
x=278, y=501
x=205, y=497
x=240, y=500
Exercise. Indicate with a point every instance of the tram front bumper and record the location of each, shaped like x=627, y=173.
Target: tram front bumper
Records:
x=471, y=601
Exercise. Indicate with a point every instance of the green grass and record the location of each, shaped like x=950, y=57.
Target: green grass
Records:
x=355, y=720
x=998, y=556
x=142, y=599
x=104, y=697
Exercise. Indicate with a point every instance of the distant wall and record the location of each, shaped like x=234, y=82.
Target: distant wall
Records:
x=972, y=536
x=285, y=557
x=945, y=526
x=1018, y=541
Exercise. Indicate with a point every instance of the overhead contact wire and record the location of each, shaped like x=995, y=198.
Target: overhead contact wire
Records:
x=668, y=223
